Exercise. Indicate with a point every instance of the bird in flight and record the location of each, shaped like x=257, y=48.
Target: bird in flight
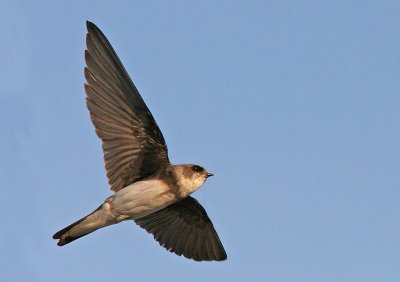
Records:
x=147, y=188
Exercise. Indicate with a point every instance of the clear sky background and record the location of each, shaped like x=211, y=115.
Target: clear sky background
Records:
x=293, y=105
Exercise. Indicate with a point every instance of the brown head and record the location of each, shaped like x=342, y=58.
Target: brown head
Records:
x=190, y=177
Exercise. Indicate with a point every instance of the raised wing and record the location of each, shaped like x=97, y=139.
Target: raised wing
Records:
x=185, y=229
x=133, y=145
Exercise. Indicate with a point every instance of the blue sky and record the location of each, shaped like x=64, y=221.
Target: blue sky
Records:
x=293, y=105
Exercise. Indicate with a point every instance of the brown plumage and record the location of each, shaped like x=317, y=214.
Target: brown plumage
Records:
x=147, y=187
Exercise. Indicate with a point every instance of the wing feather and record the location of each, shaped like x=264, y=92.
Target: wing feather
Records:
x=185, y=229
x=133, y=144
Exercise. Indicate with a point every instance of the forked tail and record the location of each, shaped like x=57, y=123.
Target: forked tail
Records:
x=101, y=217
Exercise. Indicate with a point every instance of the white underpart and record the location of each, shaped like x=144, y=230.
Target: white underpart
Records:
x=142, y=198
x=189, y=185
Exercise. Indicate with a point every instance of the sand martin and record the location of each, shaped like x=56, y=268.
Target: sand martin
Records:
x=147, y=188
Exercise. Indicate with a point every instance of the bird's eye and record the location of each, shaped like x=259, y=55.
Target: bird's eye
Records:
x=197, y=168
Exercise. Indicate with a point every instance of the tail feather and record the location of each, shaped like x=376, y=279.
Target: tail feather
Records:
x=63, y=236
x=101, y=217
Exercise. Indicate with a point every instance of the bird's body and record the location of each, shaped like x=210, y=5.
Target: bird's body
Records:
x=142, y=198
x=148, y=188
x=135, y=201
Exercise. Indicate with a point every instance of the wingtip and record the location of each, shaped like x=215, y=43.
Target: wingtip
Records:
x=223, y=257
x=91, y=26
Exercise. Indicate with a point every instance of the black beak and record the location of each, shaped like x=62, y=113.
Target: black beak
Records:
x=210, y=174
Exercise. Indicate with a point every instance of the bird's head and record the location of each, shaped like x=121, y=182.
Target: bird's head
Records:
x=190, y=177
